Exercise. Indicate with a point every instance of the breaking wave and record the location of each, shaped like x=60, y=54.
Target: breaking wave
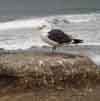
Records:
x=49, y=20
x=24, y=33
x=67, y=19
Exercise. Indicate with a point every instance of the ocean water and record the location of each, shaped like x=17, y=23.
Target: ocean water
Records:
x=24, y=32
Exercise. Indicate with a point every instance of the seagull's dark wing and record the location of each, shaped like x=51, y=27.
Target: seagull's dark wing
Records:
x=59, y=36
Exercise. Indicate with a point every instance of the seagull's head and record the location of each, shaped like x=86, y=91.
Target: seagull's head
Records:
x=44, y=28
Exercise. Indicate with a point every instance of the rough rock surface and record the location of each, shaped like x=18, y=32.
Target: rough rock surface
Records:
x=46, y=73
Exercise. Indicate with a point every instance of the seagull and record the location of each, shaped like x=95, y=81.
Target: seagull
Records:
x=56, y=38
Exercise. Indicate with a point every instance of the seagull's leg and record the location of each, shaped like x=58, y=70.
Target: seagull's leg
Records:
x=53, y=49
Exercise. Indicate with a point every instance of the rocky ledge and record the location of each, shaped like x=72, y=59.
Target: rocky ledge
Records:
x=37, y=72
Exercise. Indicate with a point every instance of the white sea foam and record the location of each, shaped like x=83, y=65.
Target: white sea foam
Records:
x=74, y=18
x=18, y=24
x=25, y=33
x=37, y=22
x=93, y=56
x=81, y=18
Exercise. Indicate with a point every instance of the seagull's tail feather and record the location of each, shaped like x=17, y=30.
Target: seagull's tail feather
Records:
x=76, y=41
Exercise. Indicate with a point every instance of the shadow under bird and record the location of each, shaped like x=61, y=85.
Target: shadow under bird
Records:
x=57, y=37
